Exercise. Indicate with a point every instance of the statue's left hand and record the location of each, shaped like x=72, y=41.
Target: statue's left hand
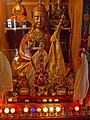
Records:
x=59, y=26
x=42, y=45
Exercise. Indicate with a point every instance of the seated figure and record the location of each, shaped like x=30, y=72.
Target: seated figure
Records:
x=40, y=59
x=59, y=13
x=19, y=15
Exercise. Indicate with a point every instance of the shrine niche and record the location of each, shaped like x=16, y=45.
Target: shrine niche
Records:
x=34, y=73
x=42, y=68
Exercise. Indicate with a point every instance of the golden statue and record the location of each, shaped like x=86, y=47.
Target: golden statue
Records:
x=40, y=58
x=18, y=11
x=19, y=15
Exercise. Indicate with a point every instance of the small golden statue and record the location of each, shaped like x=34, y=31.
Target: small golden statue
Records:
x=18, y=11
x=19, y=15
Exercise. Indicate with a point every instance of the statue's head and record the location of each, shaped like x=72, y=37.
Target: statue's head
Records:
x=39, y=7
x=39, y=16
x=18, y=8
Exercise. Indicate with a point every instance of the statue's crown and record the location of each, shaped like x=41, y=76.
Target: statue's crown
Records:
x=39, y=7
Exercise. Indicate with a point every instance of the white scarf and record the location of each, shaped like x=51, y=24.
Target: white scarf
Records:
x=81, y=85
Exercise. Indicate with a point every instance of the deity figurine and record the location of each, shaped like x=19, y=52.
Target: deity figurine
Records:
x=58, y=12
x=40, y=57
x=19, y=15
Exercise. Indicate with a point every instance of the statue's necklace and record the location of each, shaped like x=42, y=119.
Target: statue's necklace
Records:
x=39, y=34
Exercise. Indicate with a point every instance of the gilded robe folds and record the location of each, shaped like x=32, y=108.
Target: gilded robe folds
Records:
x=22, y=65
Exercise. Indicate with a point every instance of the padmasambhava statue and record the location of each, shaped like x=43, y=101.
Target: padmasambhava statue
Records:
x=40, y=58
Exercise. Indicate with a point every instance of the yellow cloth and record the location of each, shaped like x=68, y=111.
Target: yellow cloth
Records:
x=5, y=74
x=56, y=61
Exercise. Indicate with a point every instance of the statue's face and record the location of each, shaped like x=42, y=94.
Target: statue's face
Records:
x=17, y=9
x=17, y=12
x=39, y=19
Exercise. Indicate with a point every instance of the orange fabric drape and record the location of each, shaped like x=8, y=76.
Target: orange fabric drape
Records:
x=75, y=13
